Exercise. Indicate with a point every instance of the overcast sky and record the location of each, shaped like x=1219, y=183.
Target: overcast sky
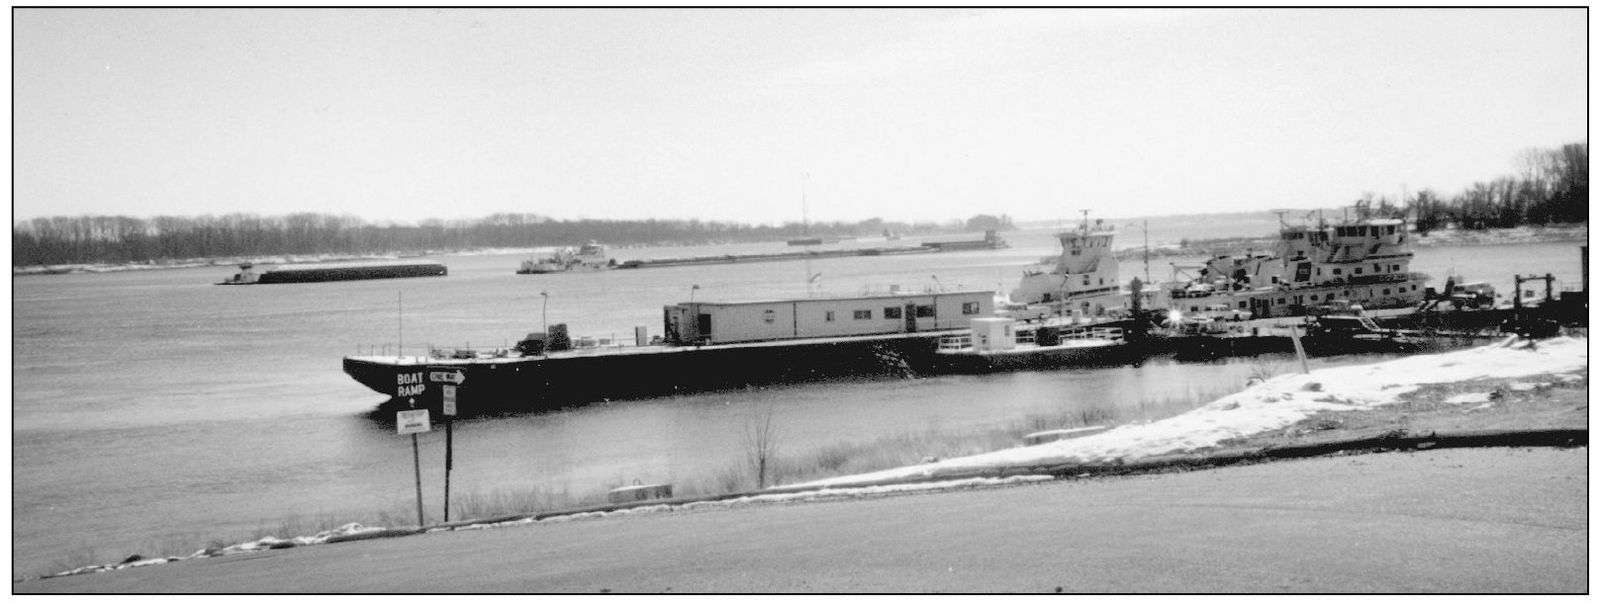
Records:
x=404, y=114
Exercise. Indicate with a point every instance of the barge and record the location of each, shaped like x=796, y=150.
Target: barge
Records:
x=991, y=241
x=705, y=346
x=327, y=272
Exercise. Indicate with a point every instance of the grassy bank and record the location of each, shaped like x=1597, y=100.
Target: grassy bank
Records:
x=786, y=466
x=1532, y=402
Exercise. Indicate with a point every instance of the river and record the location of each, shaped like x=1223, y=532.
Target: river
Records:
x=155, y=410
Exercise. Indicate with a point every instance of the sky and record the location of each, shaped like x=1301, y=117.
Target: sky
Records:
x=777, y=115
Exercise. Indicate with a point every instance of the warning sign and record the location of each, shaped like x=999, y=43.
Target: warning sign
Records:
x=412, y=421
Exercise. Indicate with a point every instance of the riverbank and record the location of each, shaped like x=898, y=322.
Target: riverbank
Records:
x=1441, y=521
x=1436, y=238
x=1506, y=387
x=1192, y=248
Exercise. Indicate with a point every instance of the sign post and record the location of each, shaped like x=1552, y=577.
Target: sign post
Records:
x=450, y=414
x=414, y=422
x=451, y=378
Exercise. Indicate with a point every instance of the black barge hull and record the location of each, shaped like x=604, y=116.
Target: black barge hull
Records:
x=295, y=275
x=541, y=383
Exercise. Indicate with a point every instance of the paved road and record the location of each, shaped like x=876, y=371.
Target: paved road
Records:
x=1457, y=521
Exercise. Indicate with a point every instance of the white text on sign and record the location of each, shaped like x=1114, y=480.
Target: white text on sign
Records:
x=450, y=400
x=447, y=377
x=409, y=384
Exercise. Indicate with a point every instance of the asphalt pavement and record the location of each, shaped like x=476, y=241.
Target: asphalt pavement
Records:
x=1483, y=520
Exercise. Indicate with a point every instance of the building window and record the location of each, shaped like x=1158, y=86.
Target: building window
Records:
x=768, y=316
x=1195, y=308
x=1358, y=270
x=1242, y=305
x=1336, y=271
x=1395, y=268
x=970, y=307
x=1378, y=268
x=1281, y=300
x=925, y=311
x=862, y=315
x=828, y=316
x=1086, y=280
x=1386, y=291
x=892, y=312
x=1314, y=298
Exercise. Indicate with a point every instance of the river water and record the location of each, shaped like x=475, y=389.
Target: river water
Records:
x=155, y=409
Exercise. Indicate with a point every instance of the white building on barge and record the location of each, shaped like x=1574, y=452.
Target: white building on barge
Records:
x=701, y=323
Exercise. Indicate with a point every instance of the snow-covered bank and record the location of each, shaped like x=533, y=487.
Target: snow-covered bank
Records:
x=1436, y=238
x=1503, y=236
x=347, y=531
x=1271, y=405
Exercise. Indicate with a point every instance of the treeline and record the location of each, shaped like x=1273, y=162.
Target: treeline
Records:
x=1551, y=186
x=120, y=239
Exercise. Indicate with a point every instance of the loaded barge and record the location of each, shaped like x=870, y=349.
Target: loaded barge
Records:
x=326, y=272
x=710, y=346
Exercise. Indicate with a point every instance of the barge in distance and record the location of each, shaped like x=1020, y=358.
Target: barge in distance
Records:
x=326, y=272
x=705, y=346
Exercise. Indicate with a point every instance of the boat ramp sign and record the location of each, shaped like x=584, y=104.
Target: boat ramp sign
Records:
x=411, y=421
x=447, y=376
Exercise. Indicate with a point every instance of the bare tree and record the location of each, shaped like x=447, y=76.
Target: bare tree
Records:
x=761, y=444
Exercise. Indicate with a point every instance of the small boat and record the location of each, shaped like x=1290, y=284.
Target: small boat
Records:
x=591, y=256
x=557, y=261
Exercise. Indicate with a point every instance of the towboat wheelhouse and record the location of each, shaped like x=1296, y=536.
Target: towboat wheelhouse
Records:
x=1082, y=278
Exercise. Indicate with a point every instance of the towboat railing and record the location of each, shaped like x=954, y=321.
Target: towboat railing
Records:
x=955, y=342
x=1104, y=333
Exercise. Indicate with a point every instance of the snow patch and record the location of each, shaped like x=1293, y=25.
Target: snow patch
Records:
x=1272, y=405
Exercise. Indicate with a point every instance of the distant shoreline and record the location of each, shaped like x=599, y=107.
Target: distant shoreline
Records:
x=1197, y=248
x=1454, y=237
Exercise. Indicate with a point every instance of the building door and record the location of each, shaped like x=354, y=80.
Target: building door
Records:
x=911, y=318
x=703, y=329
x=1261, y=307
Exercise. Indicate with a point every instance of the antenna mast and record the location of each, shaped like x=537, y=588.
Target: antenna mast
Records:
x=804, y=231
x=1145, y=229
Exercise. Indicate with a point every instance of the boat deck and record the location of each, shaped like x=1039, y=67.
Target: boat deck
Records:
x=502, y=356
